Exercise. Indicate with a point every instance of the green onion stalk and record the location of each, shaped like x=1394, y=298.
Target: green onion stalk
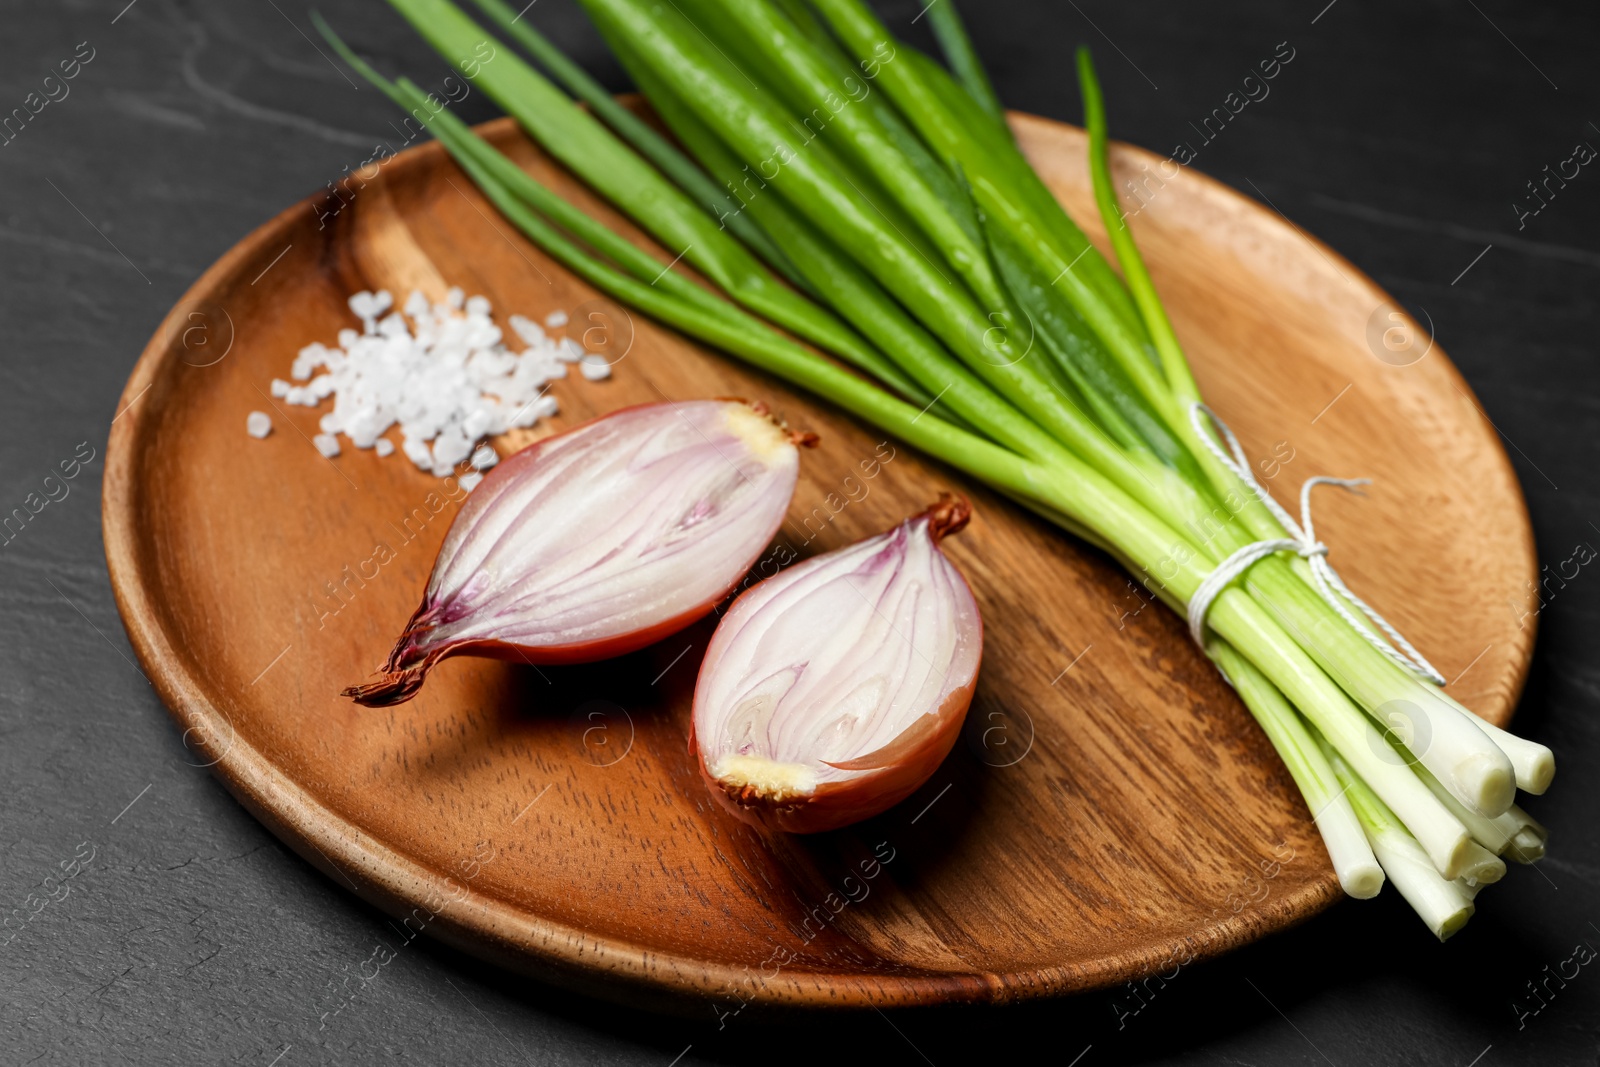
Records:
x=871, y=233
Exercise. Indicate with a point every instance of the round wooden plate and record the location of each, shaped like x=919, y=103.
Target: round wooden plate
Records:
x=1111, y=810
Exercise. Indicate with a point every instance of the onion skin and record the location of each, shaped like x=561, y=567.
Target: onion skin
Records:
x=465, y=600
x=898, y=768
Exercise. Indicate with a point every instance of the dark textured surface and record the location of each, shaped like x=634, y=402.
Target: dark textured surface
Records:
x=1403, y=138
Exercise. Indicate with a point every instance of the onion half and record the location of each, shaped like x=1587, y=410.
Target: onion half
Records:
x=833, y=690
x=601, y=540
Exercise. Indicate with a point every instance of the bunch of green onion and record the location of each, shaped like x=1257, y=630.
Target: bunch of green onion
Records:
x=875, y=236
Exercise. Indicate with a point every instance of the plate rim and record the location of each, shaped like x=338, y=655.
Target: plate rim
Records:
x=549, y=949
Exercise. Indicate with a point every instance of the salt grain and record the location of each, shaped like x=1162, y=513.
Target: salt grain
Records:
x=477, y=423
x=418, y=452
x=258, y=424
x=527, y=329
x=470, y=480
x=450, y=448
x=445, y=377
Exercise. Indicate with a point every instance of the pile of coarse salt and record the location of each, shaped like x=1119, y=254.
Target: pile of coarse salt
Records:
x=448, y=379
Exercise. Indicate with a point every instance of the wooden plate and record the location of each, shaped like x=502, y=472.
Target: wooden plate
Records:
x=1112, y=808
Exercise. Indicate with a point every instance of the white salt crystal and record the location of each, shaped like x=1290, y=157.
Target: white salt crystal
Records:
x=527, y=329
x=258, y=424
x=450, y=448
x=477, y=424
x=470, y=480
x=556, y=319
x=418, y=452
x=362, y=304
x=309, y=359
x=446, y=377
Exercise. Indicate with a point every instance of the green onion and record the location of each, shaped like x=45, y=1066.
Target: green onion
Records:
x=1442, y=903
x=638, y=133
x=952, y=36
x=1358, y=871
x=1527, y=843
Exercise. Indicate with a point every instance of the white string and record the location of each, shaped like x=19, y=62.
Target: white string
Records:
x=1302, y=540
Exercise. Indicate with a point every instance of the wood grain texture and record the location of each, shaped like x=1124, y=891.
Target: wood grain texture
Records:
x=1111, y=807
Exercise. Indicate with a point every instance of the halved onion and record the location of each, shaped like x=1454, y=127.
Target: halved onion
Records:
x=831, y=691
x=600, y=540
